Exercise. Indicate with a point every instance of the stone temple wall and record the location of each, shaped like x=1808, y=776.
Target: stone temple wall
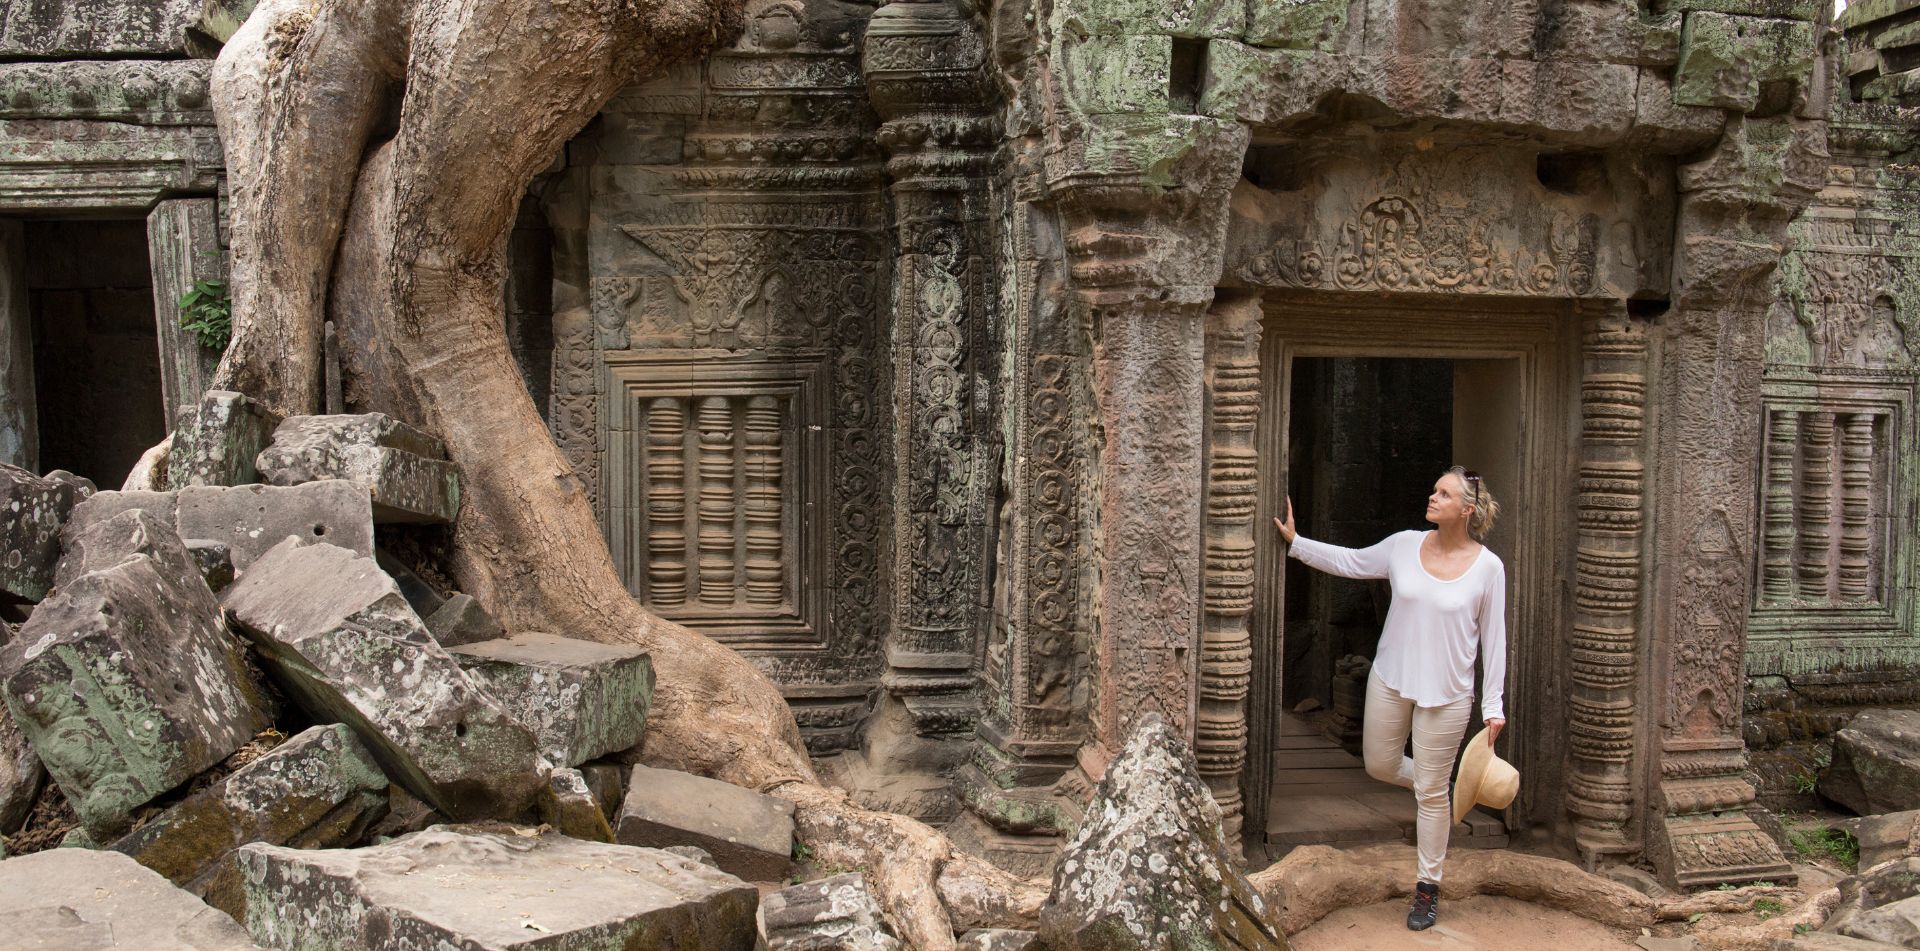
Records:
x=925, y=351
x=1834, y=616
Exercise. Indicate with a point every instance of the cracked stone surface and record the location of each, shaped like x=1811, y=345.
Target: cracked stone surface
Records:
x=582, y=699
x=491, y=891
x=1149, y=867
x=832, y=913
x=337, y=633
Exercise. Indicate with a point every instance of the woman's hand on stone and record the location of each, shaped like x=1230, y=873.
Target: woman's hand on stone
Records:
x=1286, y=526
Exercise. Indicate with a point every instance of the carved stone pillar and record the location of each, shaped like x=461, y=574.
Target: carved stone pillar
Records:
x=19, y=407
x=1733, y=217
x=1144, y=256
x=183, y=246
x=924, y=63
x=1226, y=645
x=1604, y=703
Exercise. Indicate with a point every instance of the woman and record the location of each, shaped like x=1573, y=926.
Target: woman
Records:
x=1449, y=605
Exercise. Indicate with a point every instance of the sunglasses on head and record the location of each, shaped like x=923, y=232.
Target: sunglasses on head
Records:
x=1472, y=478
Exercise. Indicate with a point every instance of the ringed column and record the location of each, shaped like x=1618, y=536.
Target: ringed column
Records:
x=925, y=69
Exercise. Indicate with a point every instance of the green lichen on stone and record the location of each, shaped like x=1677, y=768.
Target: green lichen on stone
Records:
x=1724, y=58
x=1238, y=75
x=1782, y=9
x=1296, y=24
x=1118, y=75
x=1194, y=19
x=1151, y=147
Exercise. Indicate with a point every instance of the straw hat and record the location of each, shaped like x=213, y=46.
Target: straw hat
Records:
x=1484, y=779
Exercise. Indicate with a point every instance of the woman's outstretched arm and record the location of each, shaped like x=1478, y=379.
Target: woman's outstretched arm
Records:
x=1333, y=559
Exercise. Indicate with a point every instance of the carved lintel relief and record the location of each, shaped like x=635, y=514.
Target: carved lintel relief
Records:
x=1606, y=645
x=925, y=71
x=1442, y=245
x=1226, y=642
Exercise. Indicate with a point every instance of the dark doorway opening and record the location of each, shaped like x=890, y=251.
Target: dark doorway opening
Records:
x=96, y=354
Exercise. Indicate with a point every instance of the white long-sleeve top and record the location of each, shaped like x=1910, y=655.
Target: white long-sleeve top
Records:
x=1434, y=628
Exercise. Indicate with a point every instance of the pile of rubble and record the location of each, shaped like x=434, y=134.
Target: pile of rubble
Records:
x=246, y=702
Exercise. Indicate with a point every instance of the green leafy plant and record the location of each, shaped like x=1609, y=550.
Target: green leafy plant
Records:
x=207, y=312
x=1768, y=907
x=802, y=852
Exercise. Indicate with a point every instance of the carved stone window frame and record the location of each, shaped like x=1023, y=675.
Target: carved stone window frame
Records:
x=801, y=379
x=1792, y=637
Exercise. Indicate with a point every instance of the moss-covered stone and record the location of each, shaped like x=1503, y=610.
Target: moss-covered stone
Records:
x=1300, y=25
x=581, y=699
x=1724, y=58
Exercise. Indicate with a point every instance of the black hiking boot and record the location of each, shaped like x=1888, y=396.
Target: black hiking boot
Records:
x=1426, y=907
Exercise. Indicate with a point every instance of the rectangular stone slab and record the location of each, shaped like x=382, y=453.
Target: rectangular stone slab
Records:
x=400, y=467
x=489, y=891
x=582, y=699
x=32, y=510
x=128, y=685
x=748, y=834
x=250, y=519
x=78, y=898
x=335, y=631
x=322, y=781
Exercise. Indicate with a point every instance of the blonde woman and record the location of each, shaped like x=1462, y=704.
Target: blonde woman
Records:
x=1449, y=607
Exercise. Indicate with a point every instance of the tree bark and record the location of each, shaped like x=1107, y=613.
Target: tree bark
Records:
x=493, y=89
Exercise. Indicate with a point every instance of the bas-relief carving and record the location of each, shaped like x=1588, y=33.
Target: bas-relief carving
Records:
x=1474, y=222
x=1839, y=286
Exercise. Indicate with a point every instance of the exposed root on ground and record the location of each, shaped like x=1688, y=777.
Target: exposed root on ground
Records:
x=1314, y=881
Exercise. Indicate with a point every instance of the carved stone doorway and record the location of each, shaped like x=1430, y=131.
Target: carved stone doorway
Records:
x=1363, y=404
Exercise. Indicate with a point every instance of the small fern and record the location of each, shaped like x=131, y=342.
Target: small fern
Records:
x=207, y=312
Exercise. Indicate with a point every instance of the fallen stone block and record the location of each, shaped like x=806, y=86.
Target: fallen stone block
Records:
x=569, y=805
x=1880, y=905
x=1876, y=763
x=21, y=774
x=832, y=914
x=461, y=620
x=1149, y=867
x=251, y=519
x=405, y=813
x=403, y=469
x=32, y=510
x=490, y=891
x=336, y=632
x=748, y=834
x=997, y=939
x=581, y=699
x=317, y=790
x=216, y=441
x=1884, y=838
x=79, y=899
x=95, y=544
x=128, y=685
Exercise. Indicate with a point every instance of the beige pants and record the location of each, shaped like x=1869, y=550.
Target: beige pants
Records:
x=1436, y=732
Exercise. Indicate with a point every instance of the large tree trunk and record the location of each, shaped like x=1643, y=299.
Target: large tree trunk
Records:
x=492, y=90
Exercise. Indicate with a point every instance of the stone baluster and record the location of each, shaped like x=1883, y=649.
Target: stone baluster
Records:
x=713, y=417
x=1816, y=508
x=1602, y=706
x=1226, y=645
x=1856, y=508
x=1783, y=438
x=766, y=566
x=666, y=502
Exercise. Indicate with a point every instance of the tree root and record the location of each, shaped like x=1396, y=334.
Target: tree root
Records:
x=1314, y=881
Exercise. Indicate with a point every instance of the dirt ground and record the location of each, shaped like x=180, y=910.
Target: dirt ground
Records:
x=1478, y=923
